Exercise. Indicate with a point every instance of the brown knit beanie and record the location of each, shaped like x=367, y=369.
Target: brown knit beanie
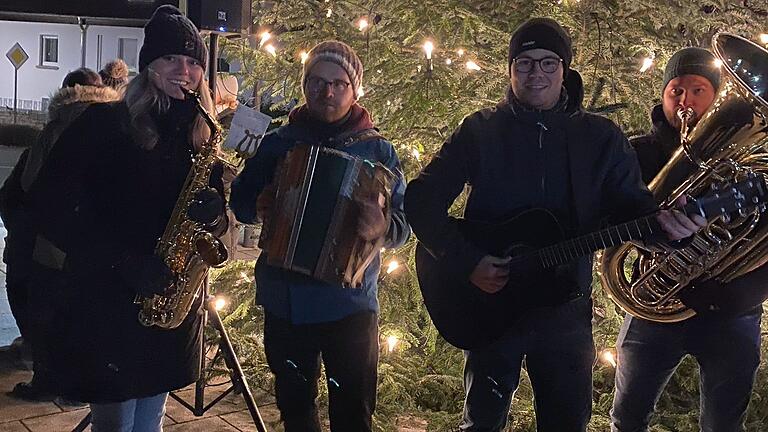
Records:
x=340, y=54
x=115, y=74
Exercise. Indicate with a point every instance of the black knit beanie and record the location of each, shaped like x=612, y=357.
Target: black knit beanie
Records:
x=170, y=32
x=692, y=61
x=544, y=33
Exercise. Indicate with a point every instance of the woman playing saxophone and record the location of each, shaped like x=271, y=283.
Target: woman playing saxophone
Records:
x=102, y=202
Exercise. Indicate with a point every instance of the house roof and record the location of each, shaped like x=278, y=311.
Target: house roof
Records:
x=130, y=13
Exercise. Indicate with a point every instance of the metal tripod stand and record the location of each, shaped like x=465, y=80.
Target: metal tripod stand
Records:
x=225, y=351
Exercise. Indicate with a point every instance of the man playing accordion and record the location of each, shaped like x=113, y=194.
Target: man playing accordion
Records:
x=306, y=315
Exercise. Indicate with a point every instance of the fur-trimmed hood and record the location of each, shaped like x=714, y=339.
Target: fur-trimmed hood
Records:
x=78, y=94
x=66, y=106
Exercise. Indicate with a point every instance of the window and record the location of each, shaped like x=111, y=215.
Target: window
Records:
x=128, y=50
x=49, y=50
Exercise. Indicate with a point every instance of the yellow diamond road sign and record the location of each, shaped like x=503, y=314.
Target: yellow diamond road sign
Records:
x=17, y=55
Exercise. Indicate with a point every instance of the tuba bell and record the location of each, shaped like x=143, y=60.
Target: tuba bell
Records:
x=729, y=143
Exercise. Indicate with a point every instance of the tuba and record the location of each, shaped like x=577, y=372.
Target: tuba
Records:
x=187, y=249
x=728, y=144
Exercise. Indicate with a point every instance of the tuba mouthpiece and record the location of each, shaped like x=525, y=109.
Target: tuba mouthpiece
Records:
x=686, y=113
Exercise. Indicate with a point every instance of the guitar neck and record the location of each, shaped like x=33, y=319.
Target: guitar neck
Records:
x=569, y=250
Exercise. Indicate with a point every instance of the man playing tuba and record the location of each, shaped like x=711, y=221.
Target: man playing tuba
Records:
x=724, y=336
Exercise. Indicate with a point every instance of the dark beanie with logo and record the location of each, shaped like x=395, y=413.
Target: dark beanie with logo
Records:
x=170, y=32
x=543, y=33
x=692, y=61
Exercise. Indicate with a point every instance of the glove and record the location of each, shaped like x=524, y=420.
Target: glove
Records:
x=206, y=207
x=145, y=274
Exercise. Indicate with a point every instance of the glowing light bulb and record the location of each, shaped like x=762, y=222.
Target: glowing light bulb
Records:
x=607, y=357
x=362, y=24
x=472, y=66
x=328, y=13
x=304, y=56
x=219, y=303
x=416, y=154
x=647, y=63
x=392, y=341
x=271, y=49
x=428, y=48
x=763, y=38
x=264, y=37
x=392, y=266
x=460, y=52
x=360, y=92
x=718, y=63
x=448, y=61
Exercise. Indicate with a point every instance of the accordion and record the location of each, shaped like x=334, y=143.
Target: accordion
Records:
x=312, y=228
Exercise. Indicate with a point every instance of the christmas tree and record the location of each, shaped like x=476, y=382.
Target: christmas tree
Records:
x=429, y=63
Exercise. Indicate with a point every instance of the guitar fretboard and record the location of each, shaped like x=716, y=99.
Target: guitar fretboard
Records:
x=569, y=250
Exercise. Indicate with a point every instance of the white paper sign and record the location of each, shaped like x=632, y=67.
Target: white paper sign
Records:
x=247, y=130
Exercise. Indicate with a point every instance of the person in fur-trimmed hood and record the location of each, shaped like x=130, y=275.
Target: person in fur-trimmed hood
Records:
x=80, y=89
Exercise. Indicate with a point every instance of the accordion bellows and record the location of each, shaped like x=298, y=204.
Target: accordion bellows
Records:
x=313, y=227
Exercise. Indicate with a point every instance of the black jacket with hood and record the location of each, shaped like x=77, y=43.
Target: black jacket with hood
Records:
x=741, y=296
x=65, y=107
x=575, y=164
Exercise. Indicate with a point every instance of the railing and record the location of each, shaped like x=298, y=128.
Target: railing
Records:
x=25, y=104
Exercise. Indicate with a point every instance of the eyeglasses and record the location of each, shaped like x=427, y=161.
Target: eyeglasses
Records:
x=546, y=64
x=316, y=84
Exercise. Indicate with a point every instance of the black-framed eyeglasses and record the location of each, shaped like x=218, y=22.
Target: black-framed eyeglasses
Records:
x=316, y=84
x=546, y=64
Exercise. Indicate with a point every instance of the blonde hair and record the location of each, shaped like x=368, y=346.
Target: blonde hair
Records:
x=143, y=98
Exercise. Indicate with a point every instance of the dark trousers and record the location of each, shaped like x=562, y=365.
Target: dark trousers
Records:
x=559, y=354
x=46, y=293
x=350, y=351
x=18, y=293
x=728, y=353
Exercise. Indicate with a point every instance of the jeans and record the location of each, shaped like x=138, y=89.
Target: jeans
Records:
x=350, y=352
x=559, y=354
x=134, y=415
x=728, y=353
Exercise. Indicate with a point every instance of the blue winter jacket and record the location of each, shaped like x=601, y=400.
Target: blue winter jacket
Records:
x=294, y=296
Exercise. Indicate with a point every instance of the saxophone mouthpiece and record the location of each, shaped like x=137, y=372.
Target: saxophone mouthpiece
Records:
x=189, y=94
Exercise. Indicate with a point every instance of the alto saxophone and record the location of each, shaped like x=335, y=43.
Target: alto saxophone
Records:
x=185, y=247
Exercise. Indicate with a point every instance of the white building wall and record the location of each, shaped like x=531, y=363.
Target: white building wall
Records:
x=37, y=82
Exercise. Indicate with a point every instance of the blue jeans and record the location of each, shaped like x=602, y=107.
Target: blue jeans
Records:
x=134, y=415
x=559, y=354
x=728, y=353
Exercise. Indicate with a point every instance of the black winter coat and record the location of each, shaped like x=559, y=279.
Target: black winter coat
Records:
x=743, y=295
x=101, y=198
x=595, y=171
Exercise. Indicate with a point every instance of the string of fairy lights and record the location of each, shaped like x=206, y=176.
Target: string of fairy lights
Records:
x=364, y=24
